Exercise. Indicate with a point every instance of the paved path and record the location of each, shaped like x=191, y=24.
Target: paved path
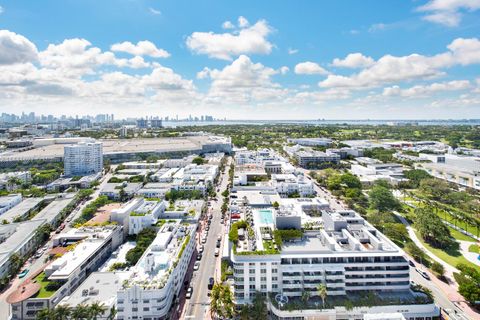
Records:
x=470, y=256
x=449, y=270
x=450, y=289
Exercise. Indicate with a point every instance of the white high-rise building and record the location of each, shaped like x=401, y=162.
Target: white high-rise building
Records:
x=83, y=158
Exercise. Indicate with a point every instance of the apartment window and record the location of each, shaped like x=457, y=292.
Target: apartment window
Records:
x=274, y=270
x=274, y=278
x=134, y=309
x=263, y=279
x=263, y=271
x=252, y=270
x=251, y=264
x=252, y=287
x=252, y=278
x=146, y=301
x=263, y=263
x=120, y=301
x=146, y=309
x=274, y=286
x=263, y=287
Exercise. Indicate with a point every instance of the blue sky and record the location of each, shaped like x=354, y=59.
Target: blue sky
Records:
x=242, y=59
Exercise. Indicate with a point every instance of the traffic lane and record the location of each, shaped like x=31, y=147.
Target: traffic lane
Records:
x=438, y=295
x=199, y=302
x=206, y=270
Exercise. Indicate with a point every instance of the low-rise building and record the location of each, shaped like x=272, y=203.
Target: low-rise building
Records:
x=113, y=190
x=391, y=172
x=91, y=246
x=288, y=184
x=8, y=202
x=311, y=142
x=158, y=275
x=11, y=180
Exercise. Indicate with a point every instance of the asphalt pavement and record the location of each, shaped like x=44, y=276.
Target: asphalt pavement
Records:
x=198, y=306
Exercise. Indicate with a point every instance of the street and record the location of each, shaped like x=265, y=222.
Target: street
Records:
x=197, y=307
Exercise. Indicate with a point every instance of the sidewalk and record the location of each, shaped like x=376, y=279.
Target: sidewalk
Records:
x=451, y=288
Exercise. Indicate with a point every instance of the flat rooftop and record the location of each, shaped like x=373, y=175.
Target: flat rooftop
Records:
x=21, y=209
x=117, y=146
x=100, y=287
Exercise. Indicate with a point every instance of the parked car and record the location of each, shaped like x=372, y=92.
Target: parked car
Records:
x=204, y=239
x=199, y=257
x=201, y=248
x=189, y=293
x=196, y=266
x=423, y=274
x=23, y=273
x=410, y=262
x=217, y=252
x=211, y=282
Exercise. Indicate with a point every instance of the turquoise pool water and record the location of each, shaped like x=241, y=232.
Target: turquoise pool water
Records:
x=265, y=216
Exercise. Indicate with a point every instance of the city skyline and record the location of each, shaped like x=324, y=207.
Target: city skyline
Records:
x=341, y=60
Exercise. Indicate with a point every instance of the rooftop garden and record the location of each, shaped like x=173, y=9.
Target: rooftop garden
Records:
x=312, y=300
x=269, y=246
x=144, y=239
x=184, y=245
x=48, y=288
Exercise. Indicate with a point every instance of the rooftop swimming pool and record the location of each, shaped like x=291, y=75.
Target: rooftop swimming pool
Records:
x=265, y=216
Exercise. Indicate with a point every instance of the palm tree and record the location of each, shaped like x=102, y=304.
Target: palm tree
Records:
x=259, y=307
x=221, y=301
x=215, y=296
x=245, y=312
x=80, y=312
x=322, y=292
x=113, y=313
x=96, y=309
x=305, y=296
x=62, y=312
x=44, y=314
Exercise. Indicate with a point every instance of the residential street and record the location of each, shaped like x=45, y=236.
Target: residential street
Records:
x=198, y=306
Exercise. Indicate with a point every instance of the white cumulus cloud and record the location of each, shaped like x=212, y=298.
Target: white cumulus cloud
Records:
x=447, y=12
x=309, y=67
x=353, y=60
x=142, y=48
x=226, y=46
x=15, y=48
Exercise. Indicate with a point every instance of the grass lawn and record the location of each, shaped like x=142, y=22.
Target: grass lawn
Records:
x=474, y=248
x=44, y=291
x=460, y=236
x=452, y=256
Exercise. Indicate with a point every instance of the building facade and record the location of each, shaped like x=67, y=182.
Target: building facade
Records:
x=83, y=158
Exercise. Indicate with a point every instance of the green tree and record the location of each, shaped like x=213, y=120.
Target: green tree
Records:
x=198, y=160
x=96, y=309
x=432, y=229
x=259, y=309
x=438, y=269
x=80, y=312
x=322, y=292
x=468, y=282
x=381, y=198
x=221, y=301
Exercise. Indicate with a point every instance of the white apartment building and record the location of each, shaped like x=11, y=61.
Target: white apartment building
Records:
x=83, y=158
x=313, y=142
x=8, y=202
x=159, y=274
x=6, y=179
x=138, y=214
x=391, y=172
x=287, y=184
x=349, y=256
x=93, y=246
